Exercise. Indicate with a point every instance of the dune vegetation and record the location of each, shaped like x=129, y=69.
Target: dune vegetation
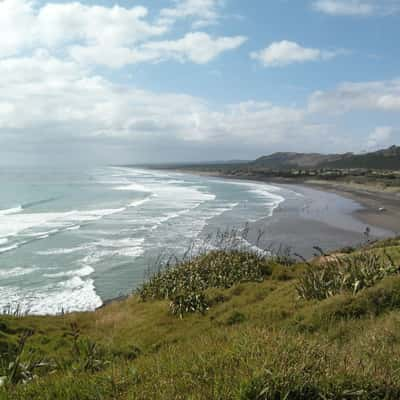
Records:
x=229, y=324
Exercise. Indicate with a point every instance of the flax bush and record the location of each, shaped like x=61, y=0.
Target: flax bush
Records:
x=345, y=274
x=184, y=284
x=20, y=366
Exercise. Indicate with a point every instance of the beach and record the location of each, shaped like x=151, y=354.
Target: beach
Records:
x=322, y=219
x=335, y=216
x=380, y=208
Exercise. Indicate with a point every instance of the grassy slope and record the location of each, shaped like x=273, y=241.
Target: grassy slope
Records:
x=378, y=160
x=260, y=338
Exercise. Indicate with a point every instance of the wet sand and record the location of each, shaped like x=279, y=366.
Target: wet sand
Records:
x=371, y=198
x=330, y=216
x=316, y=218
x=372, y=202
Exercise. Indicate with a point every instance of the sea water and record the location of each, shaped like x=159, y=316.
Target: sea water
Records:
x=71, y=239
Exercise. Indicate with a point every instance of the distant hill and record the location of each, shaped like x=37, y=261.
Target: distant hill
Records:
x=293, y=160
x=382, y=159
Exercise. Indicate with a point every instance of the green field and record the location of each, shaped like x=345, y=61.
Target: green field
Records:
x=227, y=325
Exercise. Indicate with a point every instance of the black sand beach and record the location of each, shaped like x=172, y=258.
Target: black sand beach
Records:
x=380, y=208
x=333, y=216
x=327, y=220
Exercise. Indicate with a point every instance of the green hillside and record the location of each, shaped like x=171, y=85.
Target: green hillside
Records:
x=384, y=159
x=295, y=160
x=388, y=159
x=227, y=325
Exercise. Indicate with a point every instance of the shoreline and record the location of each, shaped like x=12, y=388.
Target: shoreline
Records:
x=371, y=200
x=300, y=232
x=292, y=228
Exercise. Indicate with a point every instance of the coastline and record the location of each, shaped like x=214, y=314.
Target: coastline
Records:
x=370, y=198
x=333, y=218
x=297, y=229
x=372, y=201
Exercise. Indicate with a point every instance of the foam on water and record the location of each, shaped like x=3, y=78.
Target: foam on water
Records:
x=131, y=252
x=126, y=242
x=99, y=250
x=273, y=200
x=82, y=272
x=263, y=190
x=73, y=228
x=8, y=248
x=141, y=213
x=14, y=272
x=54, y=252
x=133, y=187
x=15, y=224
x=201, y=223
x=109, y=248
x=72, y=295
x=138, y=203
x=50, y=232
x=9, y=211
x=174, y=182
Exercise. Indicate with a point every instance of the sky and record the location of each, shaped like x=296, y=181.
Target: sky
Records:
x=135, y=81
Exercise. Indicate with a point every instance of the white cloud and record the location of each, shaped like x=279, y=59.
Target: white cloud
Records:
x=44, y=98
x=285, y=52
x=196, y=47
x=112, y=57
x=378, y=96
x=379, y=137
x=47, y=100
x=357, y=7
x=202, y=12
x=16, y=19
x=347, y=7
x=51, y=93
x=111, y=36
x=25, y=26
x=25, y=82
x=70, y=22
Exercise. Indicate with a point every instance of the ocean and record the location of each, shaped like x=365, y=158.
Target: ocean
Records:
x=71, y=239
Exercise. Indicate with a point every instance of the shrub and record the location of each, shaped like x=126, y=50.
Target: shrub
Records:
x=218, y=269
x=373, y=301
x=20, y=366
x=189, y=303
x=184, y=284
x=344, y=274
x=86, y=355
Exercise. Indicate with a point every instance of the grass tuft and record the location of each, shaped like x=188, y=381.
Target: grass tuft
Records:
x=185, y=284
x=345, y=274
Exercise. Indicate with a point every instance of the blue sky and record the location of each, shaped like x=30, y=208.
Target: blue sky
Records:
x=181, y=80
x=370, y=41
